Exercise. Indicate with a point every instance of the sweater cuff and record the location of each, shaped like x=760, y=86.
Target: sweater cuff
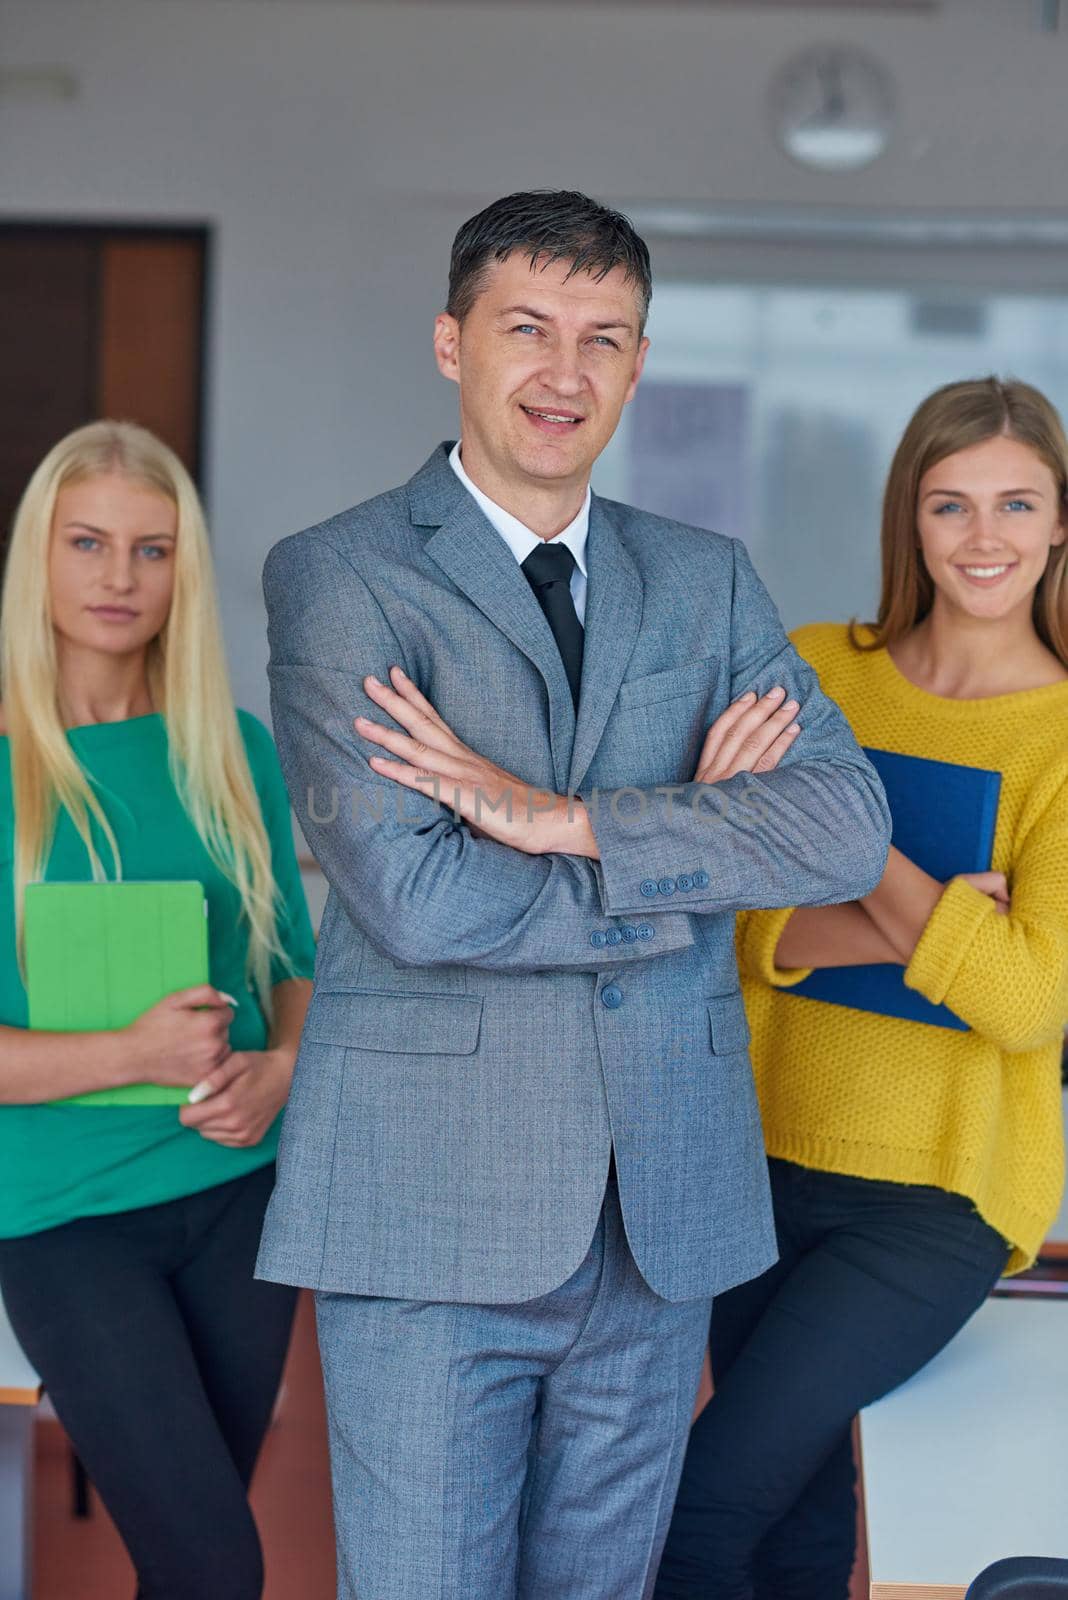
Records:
x=946, y=939
x=758, y=935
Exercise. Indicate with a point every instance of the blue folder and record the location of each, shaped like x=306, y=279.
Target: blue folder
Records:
x=943, y=819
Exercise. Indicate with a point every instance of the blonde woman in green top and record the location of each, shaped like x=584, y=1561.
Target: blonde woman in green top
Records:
x=128, y=1233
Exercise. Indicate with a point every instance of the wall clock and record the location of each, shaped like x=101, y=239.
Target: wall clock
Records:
x=832, y=108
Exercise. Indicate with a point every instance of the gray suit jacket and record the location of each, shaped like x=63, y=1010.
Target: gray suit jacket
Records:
x=485, y=1023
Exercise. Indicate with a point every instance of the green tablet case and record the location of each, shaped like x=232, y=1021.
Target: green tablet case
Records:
x=98, y=954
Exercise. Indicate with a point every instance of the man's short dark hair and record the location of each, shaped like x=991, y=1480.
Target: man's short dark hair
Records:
x=547, y=225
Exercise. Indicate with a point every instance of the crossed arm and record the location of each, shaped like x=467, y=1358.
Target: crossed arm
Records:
x=884, y=926
x=899, y=914
x=999, y=961
x=540, y=883
x=752, y=735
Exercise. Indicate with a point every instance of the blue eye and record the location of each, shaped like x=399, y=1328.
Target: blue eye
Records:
x=602, y=338
x=1014, y=505
x=154, y=552
x=85, y=541
x=526, y=327
x=947, y=505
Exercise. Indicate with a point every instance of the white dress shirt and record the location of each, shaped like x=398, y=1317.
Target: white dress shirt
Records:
x=521, y=541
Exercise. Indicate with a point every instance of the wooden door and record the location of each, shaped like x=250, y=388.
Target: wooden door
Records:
x=97, y=322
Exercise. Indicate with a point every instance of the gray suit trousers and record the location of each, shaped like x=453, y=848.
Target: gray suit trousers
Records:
x=481, y=1452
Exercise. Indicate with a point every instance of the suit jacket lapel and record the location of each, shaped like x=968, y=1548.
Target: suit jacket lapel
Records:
x=471, y=552
x=613, y=617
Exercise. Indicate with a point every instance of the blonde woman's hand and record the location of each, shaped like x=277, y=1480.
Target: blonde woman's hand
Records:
x=181, y=1039
x=236, y=1104
x=752, y=735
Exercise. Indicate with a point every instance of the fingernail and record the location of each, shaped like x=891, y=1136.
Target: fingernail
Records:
x=795, y=727
x=399, y=671
x=228, y=997
x=773, y=694
x=370, y=678
x=198, y=1094
x=791, y=705
x=750, y=694
x=363, y=722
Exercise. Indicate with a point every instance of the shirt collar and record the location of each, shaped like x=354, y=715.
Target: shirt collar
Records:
x=516, y=535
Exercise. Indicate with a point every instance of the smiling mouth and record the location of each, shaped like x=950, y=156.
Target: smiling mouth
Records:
x=121, y=613
x=557, y=417
x=986, y=574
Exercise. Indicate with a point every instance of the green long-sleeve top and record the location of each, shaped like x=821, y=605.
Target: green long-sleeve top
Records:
x=59, y=1162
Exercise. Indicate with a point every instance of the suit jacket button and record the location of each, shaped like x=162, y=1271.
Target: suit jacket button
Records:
x=666, y=886
x=612, y=997
x=649, y=886
x=629, y=935
x=684, y=882
x=597, y=939
x=645, y=930
x=700, y=880
x=613, y=936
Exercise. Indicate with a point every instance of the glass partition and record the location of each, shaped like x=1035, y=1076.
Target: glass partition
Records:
x=770, y=412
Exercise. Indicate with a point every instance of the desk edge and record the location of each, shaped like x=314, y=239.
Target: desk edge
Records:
x=11, y=1396
x=916, y=1591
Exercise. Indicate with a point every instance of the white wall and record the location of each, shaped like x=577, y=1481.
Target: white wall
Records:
x=335, y=148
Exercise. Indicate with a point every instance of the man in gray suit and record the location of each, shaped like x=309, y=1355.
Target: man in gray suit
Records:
x=522, y=1149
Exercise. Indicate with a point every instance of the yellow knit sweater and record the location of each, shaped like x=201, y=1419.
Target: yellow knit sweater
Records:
x=978, y=1113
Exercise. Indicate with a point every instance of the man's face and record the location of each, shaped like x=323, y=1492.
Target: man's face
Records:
x=545, y=365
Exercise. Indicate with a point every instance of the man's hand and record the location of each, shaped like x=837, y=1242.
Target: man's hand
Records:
x=750, y=736
x=433, y=761
x=237, y=1103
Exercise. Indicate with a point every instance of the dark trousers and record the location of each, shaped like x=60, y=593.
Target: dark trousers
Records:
x=162, y=1357
x=873, y=1279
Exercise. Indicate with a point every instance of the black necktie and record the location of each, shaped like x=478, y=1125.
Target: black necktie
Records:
x=548, y=570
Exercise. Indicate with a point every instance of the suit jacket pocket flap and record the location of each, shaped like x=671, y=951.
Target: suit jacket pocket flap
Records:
x=729, y=1024
x=690, y=679
x=398, y=1024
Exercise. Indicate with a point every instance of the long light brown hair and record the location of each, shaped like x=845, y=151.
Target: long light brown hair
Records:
x=187, y=678
x=953, y=418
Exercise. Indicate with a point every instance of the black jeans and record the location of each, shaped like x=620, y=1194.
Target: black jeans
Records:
x=872, y=1280
x=162, y=1357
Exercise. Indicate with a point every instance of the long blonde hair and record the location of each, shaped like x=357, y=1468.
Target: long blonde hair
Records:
x=953, y=418
x=187, y=680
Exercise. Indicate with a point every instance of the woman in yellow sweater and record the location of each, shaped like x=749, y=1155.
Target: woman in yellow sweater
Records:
x=910, y=1164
